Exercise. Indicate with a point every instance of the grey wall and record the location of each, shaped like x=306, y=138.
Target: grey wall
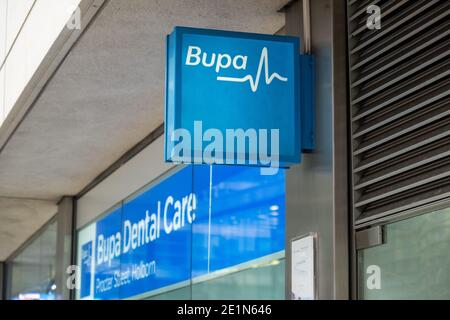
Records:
x=64, y=246
x=316, y=190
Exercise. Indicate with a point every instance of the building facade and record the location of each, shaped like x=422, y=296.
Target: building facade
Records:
x=89, y=209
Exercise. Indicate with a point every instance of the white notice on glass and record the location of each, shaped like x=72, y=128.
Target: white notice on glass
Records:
x=302, y=268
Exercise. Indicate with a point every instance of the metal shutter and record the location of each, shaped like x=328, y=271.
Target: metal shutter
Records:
x=400, y=106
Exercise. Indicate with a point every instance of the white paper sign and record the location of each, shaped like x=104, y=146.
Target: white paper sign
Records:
x=302, y=268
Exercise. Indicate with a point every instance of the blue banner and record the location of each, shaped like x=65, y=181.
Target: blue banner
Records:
x=199, y=220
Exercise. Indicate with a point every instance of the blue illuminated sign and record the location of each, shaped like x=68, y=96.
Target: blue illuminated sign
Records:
x=236, y=98
x=86, y=267
x=199, y=220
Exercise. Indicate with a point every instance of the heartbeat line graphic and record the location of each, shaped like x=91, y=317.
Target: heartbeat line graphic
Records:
x=264, y=61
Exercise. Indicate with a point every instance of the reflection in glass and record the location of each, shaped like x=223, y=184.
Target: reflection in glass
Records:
x=261, y=282
x=240, y=220
x=412, y=264
x=33, y=270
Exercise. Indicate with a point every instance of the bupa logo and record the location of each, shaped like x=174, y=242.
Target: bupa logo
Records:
x=195, y=56
x=234, y=98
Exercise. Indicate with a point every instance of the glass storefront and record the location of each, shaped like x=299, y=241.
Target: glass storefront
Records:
x=413, y=262
x=32, y=272
x=202, y=232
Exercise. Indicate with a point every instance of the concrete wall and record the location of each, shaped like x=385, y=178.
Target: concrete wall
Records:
x=20, y=219
x=64, y=244
x=316, y=190
x=16, y=12
x=136, y=173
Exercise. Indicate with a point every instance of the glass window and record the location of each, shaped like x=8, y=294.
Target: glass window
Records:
x=202, y=232
x=263, y=281
x=32, y=272
x=244, y=234
x=413, y=263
